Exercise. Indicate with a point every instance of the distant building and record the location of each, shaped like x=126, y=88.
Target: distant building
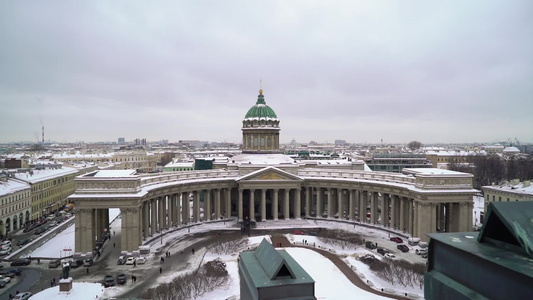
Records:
x=179, y=166
x=395, y=162
x=267, y=273
x=49, y=188
x=121, y=141
x=15, y=203
x=508, y=192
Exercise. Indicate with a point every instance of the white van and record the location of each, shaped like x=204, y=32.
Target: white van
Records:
x=413, y=241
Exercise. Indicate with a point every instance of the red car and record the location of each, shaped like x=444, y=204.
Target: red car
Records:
x=396, y=239
x=403, y=248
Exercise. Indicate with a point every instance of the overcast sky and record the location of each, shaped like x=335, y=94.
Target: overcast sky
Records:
x=448, y=71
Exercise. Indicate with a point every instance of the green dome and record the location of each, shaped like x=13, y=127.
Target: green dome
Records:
x=260, y=110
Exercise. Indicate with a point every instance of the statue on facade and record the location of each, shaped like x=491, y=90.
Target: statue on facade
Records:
x=66, y=270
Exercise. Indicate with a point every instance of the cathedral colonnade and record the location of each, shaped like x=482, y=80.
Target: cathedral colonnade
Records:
x=271, y=195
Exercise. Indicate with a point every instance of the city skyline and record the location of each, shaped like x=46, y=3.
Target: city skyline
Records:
x=375, y=71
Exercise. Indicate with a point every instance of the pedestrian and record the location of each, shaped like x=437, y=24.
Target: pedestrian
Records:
x=134, y=263
x=192, y=250
x=113, y=233
x=113, y=245
x=160, y=270
x=132, y=280
x=135, y=279
x=87, y=270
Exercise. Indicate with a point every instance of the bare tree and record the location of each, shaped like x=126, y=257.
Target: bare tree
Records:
x=413, y=145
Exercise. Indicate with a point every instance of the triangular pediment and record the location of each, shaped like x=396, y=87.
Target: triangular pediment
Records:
x=270, y=173
x=509, y=225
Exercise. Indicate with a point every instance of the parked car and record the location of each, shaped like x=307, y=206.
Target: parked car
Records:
x=5, y=279
x=390, y=256
x=5, y=244
x=5, y=251
x=382, y=251
x=75, y=263
x=22, y=242
x=2, y=284
x=121, y=279
x=130, y=260
x=424, y=255
x=20, y=262
x=121, y=260
x=109, y=281
x=41, y=229
x=22, y=296
x=7, y=274
x=54, y=263
x=421, y=251
x=15, y=271
x=140, y=260
x=396, y=239
x=403, y=248
x=88, y=262
x=370, y=245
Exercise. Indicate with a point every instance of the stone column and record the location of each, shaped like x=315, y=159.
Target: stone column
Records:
x=161, y=219
x=130, y=237
x=373, y=210
x=275, y=207
x=84, y=230
x=286, y=201
x=297, y=212
x=153, y=218
x=340, y=206
x=385, y=211
x=319, y=196
x=308, y=193
x=207, y=202
x=393, y=211
x=217, y=203
x=228, y=203
x=239, y=208
x=330, y=208
x=196, y=206
x=402, y=214
x=177, y=210
x=171, y=210
x=252, y=204
x=185, y=207
x=145, y=219
x=263, y=205
x=351, y=204
x=410, y=216
x=363, y=204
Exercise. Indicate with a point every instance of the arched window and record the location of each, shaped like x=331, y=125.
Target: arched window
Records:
x=269, y=142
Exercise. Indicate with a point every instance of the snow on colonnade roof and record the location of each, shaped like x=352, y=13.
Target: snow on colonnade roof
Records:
x=115, y=173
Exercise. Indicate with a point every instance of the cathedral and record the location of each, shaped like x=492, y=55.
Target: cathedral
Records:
x=264, y=185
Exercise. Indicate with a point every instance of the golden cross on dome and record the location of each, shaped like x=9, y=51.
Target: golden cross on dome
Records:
x=260, y=86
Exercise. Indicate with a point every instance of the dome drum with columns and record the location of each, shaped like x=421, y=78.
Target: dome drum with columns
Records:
x=260, y=128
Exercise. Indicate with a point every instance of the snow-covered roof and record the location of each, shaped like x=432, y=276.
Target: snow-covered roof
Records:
x=262, y=159
x=430, y=171
x=519, y=188
x=511, y=150
x=179, y=164
x=42, y=175
x=12, y=186
x=115, y=173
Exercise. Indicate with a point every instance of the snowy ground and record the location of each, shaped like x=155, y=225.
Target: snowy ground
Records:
x=65, y=240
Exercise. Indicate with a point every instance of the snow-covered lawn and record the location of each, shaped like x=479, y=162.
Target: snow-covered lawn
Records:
x=319, y=267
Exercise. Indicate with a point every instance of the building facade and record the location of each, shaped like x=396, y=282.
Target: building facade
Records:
x=508, y=192
x=15, y=204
